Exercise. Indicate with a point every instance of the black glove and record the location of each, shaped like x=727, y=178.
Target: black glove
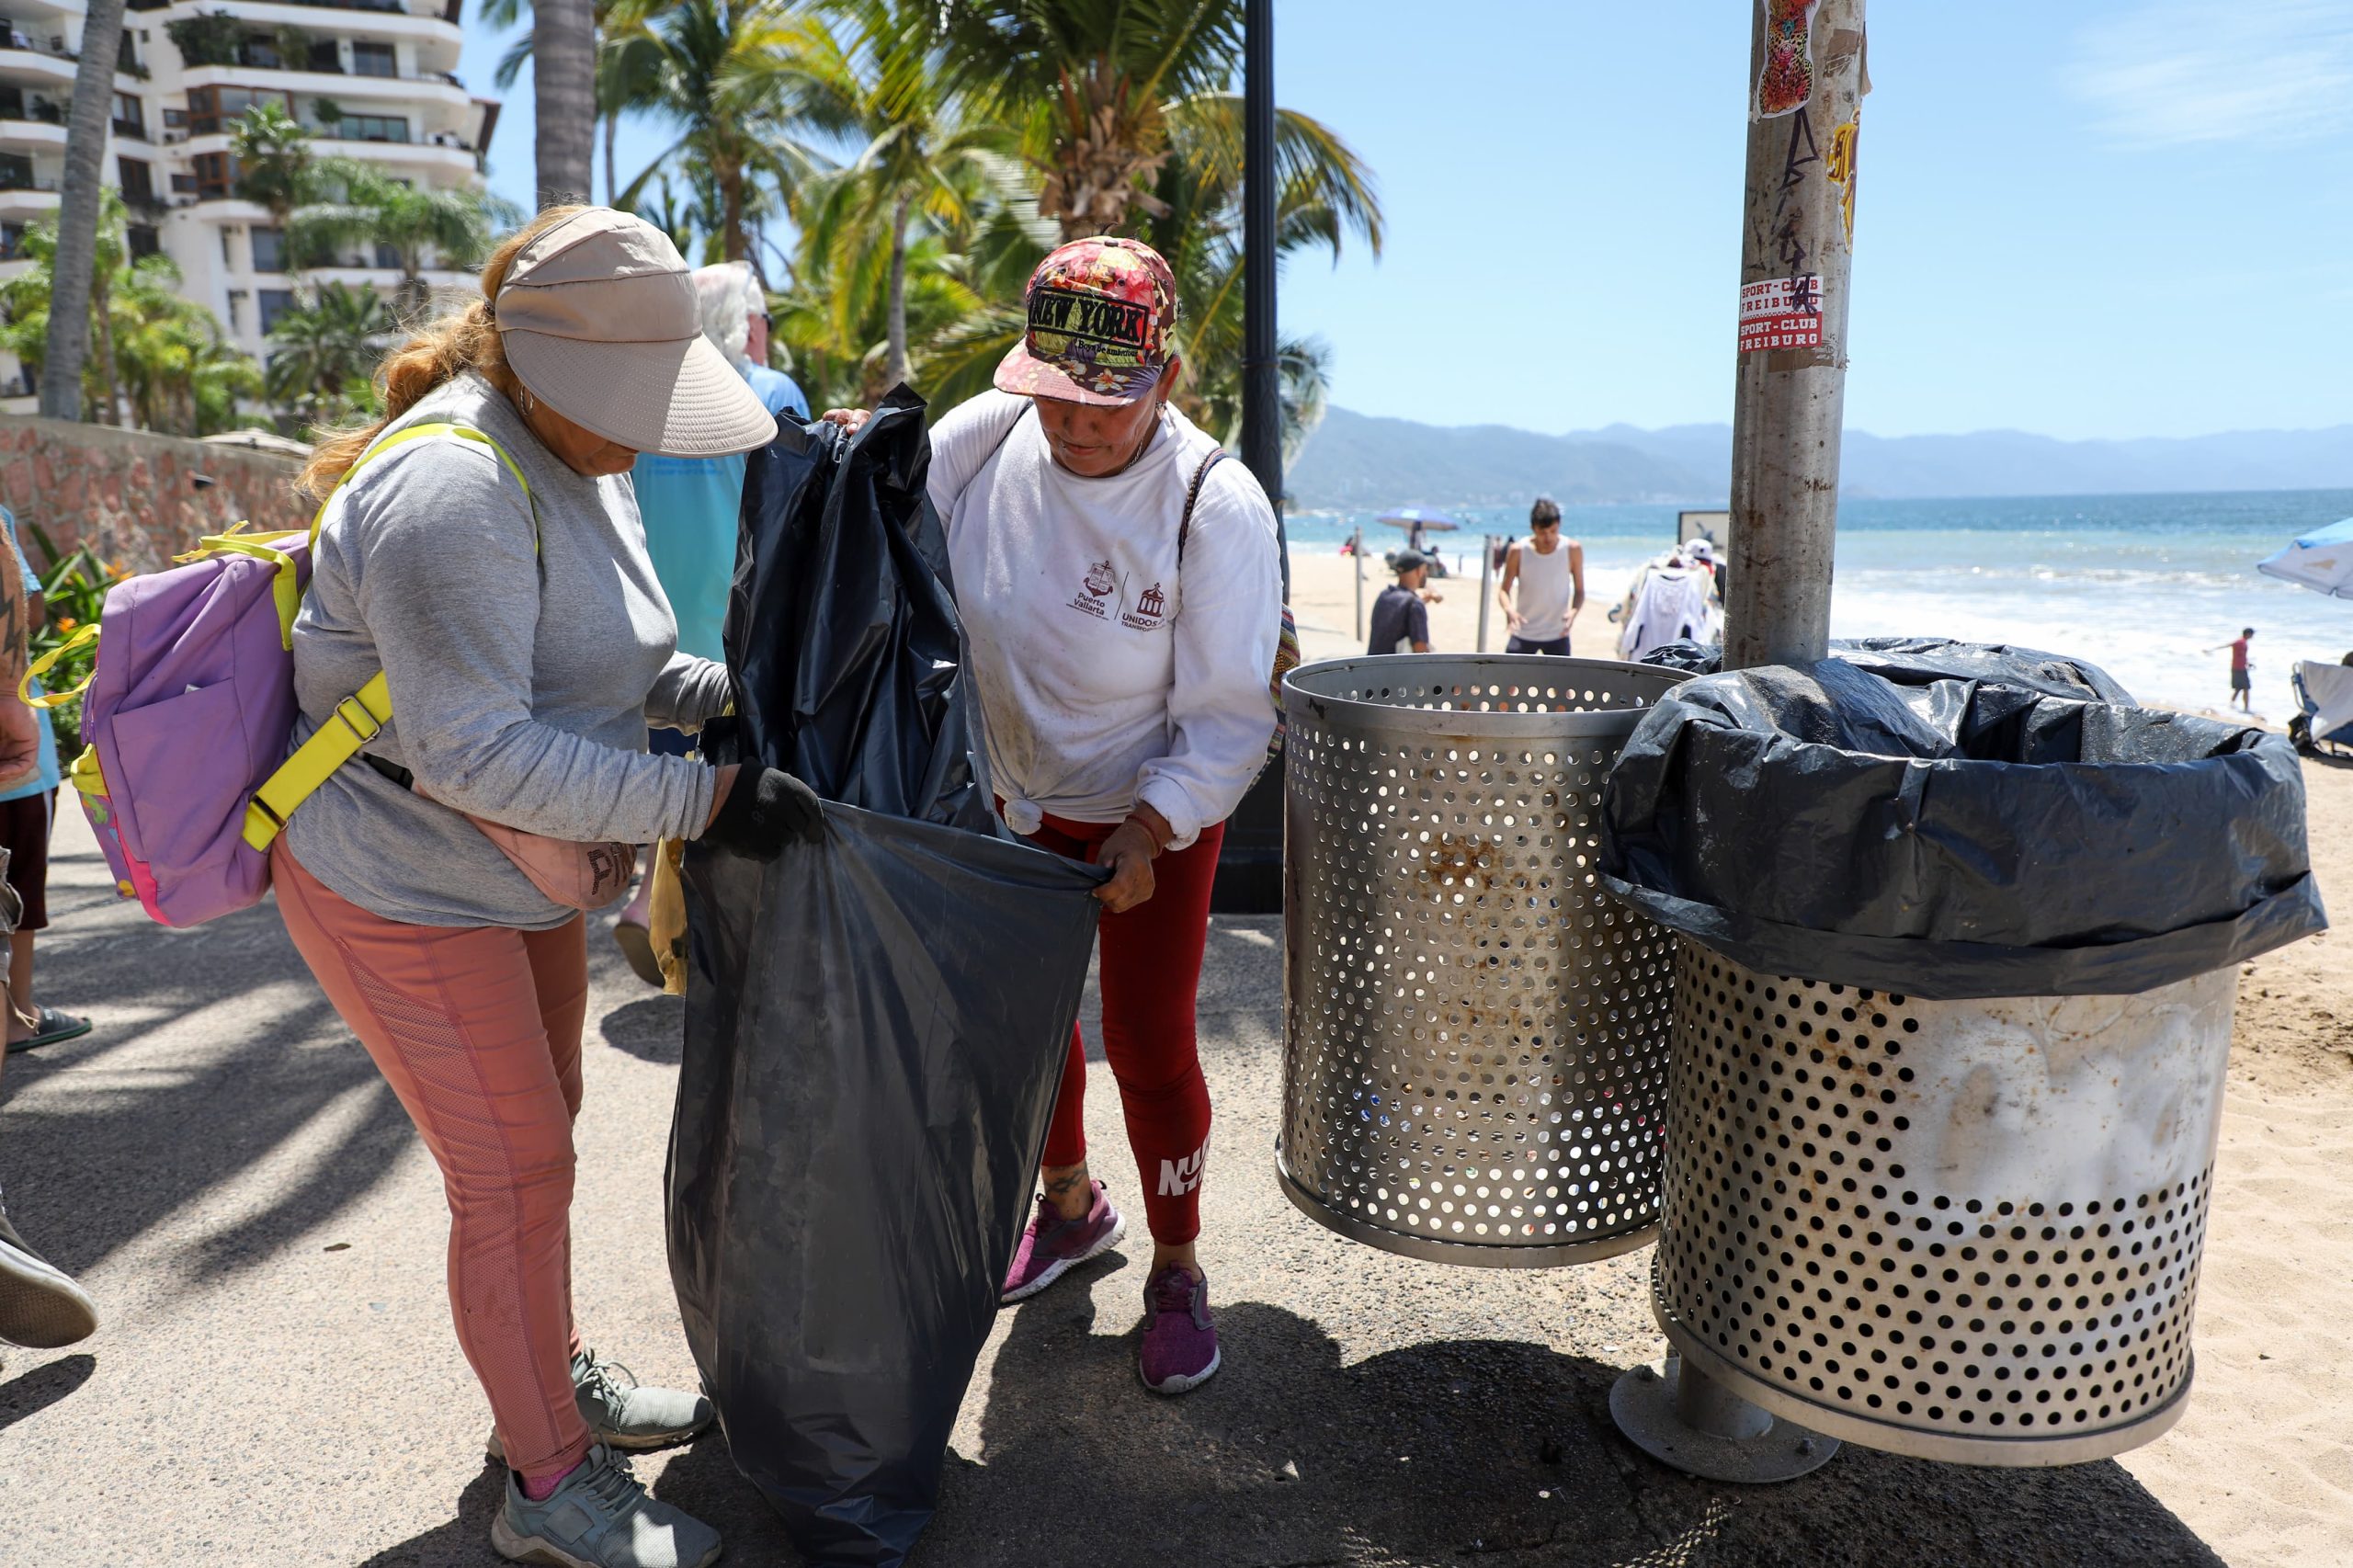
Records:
x=765, y=808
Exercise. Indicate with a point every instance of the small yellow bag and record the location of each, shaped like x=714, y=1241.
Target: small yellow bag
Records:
x=666, y=918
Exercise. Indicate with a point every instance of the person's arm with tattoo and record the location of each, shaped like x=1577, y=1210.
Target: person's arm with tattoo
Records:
x=20, y=725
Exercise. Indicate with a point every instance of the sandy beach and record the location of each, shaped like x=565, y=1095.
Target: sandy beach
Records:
x=2261, y=1466
x=1323, y=601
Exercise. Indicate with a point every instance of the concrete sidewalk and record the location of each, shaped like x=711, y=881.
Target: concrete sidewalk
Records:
x=276, y=1381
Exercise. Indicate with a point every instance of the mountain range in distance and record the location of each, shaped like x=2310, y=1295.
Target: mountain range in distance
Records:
x=1354, y=460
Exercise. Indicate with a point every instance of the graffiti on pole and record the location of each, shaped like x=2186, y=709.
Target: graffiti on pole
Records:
x=1786, y=82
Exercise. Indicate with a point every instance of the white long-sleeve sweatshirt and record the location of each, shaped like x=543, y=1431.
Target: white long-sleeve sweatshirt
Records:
x=1104, y=679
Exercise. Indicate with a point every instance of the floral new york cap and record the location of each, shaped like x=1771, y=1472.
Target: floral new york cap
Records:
x=1099, y=312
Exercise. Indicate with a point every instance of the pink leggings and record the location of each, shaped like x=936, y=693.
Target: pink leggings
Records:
x=477, y=1029
x=1152, y=968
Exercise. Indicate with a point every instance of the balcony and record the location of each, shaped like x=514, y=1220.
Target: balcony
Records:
x=31, y=136
x=27, y=198
x=433, y=27
x=27, y=59
x=438, y=90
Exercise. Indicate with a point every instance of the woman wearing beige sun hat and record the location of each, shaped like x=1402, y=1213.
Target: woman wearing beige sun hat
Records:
x=481, y=547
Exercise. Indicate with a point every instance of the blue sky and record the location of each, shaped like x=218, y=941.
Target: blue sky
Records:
x=2112, y=218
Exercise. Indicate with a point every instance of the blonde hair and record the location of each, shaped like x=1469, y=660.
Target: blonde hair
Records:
x=437, y=354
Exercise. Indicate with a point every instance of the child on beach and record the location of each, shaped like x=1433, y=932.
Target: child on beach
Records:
x=2242, y=687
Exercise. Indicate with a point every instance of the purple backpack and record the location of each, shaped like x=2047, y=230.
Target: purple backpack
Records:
x=190, y=705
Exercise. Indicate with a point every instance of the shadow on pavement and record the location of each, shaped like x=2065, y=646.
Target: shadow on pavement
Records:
x=146, y=1124
x=651, y=1028
x=1443, y=1451
x=43, y=1386
x=1435, y=1454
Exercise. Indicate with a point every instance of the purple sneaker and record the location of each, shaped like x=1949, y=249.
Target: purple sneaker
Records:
x=1179, y=1350
x=1052, y=1245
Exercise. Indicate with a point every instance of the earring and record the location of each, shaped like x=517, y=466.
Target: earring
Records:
x=528, y=401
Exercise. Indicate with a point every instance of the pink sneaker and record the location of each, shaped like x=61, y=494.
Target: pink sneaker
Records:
x=1052, y=1245
x=1179, y=1350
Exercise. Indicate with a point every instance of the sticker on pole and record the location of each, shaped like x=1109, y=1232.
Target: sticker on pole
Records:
x=1781, y=312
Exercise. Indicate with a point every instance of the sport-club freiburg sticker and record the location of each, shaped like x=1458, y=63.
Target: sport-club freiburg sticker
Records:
x=1781, y=312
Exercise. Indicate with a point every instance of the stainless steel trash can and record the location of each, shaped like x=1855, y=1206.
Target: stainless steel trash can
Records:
x=1965, y=1231
x=1474, y=1039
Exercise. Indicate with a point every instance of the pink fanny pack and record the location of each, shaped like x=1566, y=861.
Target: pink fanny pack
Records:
x=575, y=875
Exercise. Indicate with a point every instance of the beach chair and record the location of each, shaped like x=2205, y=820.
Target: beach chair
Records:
x=2324, y=706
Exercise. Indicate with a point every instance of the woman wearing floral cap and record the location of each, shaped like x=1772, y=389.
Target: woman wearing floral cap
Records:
x=1121, y=593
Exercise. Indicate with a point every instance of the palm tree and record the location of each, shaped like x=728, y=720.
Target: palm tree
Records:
x=317, y=351
x=163, y=348
x=77, y=263
x=273, y=160
x=917, y=147
x=40, y=311
x=1323, y=194
x=619, y=61
x=1088, y=83
x=452, y=227
x=183, y=376
x=564, y=90
x=732, y=76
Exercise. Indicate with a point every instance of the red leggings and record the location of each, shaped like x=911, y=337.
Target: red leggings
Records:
x=1151, y=967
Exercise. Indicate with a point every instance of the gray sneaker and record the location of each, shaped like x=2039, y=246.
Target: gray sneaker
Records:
x=627, y=1417
x=600, y=1517
x=40, y=1307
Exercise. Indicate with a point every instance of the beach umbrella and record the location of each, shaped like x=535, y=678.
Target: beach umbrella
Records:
x=1419, y=516
x=2322, y=561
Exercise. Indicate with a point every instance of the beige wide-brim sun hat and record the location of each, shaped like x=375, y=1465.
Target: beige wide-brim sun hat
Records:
x=599, y=320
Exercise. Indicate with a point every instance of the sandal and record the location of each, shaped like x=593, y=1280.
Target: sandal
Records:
x=50, y=1028
x=636, y=944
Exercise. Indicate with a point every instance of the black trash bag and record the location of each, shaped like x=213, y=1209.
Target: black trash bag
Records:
x=876, y=1023
x=1913, y=661
x=841, y=628
x=1859, y=822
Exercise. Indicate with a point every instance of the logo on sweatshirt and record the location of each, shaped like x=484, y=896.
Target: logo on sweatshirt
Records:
x=1100, y=584
x=1151, y=609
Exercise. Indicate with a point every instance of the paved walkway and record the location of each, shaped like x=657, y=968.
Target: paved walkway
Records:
x=276, y=1381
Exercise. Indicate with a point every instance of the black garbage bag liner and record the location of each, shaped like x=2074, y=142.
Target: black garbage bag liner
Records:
x=1914, y=661
x=875, y=1022
x=1862, y=821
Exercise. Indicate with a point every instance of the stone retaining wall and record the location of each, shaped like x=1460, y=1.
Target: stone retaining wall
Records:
x=132, y=497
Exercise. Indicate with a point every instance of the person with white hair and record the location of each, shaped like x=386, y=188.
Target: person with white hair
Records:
x=690, y=506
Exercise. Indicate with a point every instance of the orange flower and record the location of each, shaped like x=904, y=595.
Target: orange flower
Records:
x=66, y=623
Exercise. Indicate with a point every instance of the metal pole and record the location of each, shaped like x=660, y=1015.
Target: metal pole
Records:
x=1262, y=412
x=1806, y=83
x=1486, y=585
x=1356, y=553
x=1250, y=866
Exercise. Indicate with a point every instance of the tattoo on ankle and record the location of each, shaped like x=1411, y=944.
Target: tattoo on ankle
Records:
x=1066, y=1184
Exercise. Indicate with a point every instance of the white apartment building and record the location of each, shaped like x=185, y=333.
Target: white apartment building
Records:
x=375, y=80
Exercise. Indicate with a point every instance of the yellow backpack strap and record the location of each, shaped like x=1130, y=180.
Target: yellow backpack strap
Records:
x=408, y=433
x=354, y=723
x=82, y=636
x=358, y=718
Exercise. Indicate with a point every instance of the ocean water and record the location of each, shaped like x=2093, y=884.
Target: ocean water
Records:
x=2140, y=584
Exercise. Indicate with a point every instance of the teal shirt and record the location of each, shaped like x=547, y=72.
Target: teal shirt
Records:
x=46, y=779
x=689, y=507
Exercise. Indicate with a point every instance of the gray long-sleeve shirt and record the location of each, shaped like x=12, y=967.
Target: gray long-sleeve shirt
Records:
x=522, y=680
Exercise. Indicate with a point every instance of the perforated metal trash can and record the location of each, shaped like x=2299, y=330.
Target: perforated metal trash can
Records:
x=1474, y=1043
x=1965, y=1231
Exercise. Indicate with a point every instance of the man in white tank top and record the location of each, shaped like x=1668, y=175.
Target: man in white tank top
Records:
x=1548, y=573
